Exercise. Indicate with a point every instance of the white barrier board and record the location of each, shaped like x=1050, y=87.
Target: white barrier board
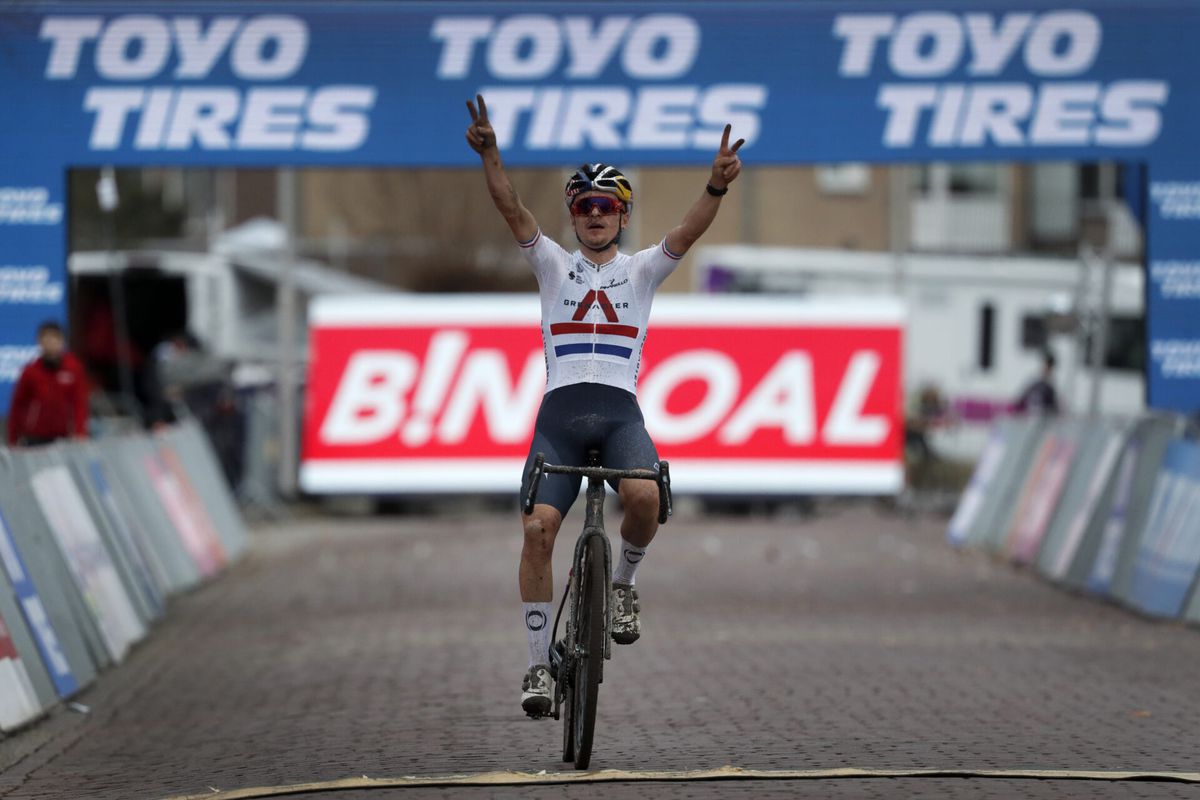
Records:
x=87, y=559
x=1101, y=473
x=201, y=543
x=18, y=699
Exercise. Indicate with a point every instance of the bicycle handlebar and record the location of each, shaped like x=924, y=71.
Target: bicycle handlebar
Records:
x=601, y=473
x=662, y=477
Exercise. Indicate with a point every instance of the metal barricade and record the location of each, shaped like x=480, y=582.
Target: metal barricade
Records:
x=1141, y=460
x=50, y=601
x=94, y=538
x=1087, y=498
x=985, y=511
x=208, y=480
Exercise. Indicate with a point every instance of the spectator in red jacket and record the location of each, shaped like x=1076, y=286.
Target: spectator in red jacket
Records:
x=50, y=400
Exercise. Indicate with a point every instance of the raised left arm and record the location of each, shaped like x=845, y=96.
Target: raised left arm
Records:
x=726, y=167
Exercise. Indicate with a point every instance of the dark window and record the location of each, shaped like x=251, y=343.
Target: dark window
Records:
x=974, y=179
x=961, y=179
x=1089, y=181
x=1033, y=332
x=1124, y=346
x=987, y=325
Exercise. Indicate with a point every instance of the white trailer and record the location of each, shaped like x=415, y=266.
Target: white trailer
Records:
x=977, y=325
x=228, y=299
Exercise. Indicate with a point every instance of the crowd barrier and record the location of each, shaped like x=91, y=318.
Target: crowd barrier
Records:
x=1107, y=507
x=95, y=537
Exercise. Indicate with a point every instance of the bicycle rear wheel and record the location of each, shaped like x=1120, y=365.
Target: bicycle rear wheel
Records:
x=589, y=633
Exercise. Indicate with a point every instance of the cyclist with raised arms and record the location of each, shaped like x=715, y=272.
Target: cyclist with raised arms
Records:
x=595, y=305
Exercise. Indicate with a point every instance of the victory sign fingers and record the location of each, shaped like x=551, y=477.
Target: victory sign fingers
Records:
x=480, y=135
x=727, y=164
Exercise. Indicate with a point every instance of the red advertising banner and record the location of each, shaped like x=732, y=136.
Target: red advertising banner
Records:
x=18, y=699
x=7, y=648
x=742, y=395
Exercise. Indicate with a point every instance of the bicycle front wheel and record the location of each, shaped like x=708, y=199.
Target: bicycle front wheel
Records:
x=589, y=632
x=567, y=696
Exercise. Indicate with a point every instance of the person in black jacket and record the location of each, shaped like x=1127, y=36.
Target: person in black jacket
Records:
x=1040, y=397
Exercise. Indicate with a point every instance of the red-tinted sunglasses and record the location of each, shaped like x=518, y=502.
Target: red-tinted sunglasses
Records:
x=582, y=206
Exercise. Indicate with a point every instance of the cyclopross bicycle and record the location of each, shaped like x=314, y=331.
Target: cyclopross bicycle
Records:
x=577, y=660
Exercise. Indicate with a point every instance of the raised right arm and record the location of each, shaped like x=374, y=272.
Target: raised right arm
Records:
x=482, y=139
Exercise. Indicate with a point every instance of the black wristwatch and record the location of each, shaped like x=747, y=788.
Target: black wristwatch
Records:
x=714, y=191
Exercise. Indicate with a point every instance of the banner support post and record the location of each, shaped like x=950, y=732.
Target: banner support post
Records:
x=285, y=303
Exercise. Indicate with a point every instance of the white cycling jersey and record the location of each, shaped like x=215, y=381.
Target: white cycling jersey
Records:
x=594, y=315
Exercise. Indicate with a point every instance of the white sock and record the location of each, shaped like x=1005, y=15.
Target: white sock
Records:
x=537, y=626
x=627, y=562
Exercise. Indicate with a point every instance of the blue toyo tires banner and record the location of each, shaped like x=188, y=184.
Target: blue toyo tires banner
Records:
x=373, y=84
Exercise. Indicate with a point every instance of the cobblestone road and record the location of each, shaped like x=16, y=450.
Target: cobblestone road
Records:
x=393, y=646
